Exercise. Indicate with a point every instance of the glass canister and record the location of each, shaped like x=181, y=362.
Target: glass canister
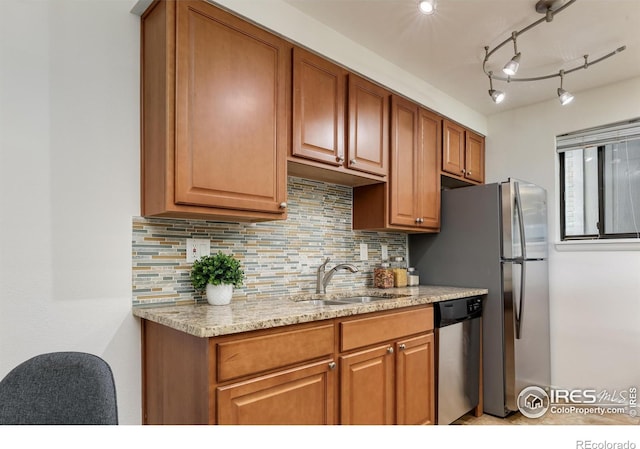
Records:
x=383, y=276
x=412, y=277
x=399, y=273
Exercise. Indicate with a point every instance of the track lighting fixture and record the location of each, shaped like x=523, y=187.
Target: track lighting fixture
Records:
x=427, y=7
x=496, y=95
x=511, y=67
x=549, y=8
x=564, y=96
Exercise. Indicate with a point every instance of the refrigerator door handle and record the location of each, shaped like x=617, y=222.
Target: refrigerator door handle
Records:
x=520, y=214
x=519, y=312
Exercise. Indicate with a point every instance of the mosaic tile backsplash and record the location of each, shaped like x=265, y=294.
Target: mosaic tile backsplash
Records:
x=278, y=258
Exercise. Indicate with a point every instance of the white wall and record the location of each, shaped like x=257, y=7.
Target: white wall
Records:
x=69, y=184
x=594, y=294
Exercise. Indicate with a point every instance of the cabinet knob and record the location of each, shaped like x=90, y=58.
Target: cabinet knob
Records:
x=332, y=365
x=340, y=159
x=390, y=350
x=353, y=161
x=419, y=220
x=283, y=205
x=468, y=173
x=463, y=171
x=402, y=346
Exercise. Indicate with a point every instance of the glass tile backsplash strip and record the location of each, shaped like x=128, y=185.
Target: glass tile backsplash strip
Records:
x=278, y=258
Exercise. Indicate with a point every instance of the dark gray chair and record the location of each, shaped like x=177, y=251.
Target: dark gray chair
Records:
x=59, y=388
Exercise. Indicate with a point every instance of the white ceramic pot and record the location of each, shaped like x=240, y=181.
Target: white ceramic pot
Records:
x=219, y=295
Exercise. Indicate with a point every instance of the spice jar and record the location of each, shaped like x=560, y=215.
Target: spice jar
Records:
x=399, y=273
x=383, y=276
x=412, y=277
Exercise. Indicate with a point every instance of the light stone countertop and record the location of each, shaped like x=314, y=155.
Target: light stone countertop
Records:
x=204, y=320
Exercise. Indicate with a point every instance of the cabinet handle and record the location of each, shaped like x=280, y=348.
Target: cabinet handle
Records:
x=390, y=350
x=402, y=346
x=340, y=159
x=353, y=161
x=332, y=365
x=283, y=205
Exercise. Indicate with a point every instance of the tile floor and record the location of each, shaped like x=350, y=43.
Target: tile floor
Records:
x=550, y=419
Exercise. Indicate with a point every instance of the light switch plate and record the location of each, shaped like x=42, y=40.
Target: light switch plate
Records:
x=196, y=248
x=364, y=251
x=384, y=252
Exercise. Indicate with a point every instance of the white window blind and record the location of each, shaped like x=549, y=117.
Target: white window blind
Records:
x=602, y=135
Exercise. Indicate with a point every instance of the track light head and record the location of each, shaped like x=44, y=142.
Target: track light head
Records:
x=564, y=96
x=511, y=67
x=427, y=7
x=497, y=95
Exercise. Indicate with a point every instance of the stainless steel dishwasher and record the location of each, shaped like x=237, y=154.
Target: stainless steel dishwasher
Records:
x=457, y=324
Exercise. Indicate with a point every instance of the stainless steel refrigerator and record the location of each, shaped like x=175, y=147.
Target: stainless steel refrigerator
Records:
x=495, y=236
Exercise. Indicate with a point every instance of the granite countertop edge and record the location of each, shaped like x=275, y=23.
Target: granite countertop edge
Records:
x=249, y=314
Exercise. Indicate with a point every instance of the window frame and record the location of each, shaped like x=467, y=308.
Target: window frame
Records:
x=601, y=204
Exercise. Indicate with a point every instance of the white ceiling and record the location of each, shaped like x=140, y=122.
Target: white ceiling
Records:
x=447, y=48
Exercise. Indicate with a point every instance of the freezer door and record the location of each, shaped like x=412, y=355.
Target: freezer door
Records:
x=524, y=220
x=526, y=328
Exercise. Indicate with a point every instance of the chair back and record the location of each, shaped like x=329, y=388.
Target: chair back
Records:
x=59, y=388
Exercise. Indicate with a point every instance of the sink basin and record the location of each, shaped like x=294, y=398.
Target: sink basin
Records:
x=350, y=300
x=328, y=302
x=356, y=299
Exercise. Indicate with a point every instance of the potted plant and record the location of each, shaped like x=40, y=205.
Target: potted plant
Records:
x=217, y=275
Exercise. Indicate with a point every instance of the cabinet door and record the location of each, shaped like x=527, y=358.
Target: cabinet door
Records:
x=429, y=145
x=231, y=112
x=303, y=395
x=403, y=188
x=453, y=146
x=474, y=157
x=366, y=387
x=318, y=108
x=368, y=127
x=415, y=383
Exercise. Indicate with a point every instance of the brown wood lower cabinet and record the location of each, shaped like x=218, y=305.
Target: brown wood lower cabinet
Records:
x=366, y=387
x=302, y=395
x=415, y=380
x=375, y=368
x=392, y=383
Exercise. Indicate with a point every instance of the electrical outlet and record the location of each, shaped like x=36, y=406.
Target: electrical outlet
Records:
x=364, y=251
x=196, y=248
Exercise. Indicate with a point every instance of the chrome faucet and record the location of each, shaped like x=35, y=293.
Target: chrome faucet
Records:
x=322, y=278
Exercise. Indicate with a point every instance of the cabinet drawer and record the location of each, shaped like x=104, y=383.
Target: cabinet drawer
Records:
x=368, y=331
x=258, y=354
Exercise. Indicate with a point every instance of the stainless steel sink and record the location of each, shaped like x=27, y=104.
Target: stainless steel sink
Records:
x=351, y=300
x=328, y=302
x=356, y=299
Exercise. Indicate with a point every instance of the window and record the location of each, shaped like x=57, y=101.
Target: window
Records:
x=600, y=182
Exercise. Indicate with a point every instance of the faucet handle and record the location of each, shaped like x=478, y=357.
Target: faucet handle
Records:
x=322, y=266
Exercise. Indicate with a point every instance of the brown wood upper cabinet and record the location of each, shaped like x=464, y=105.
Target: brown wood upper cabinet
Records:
x=215, y=115
x=411, y=199
x=340, y=123
x=462, y=153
